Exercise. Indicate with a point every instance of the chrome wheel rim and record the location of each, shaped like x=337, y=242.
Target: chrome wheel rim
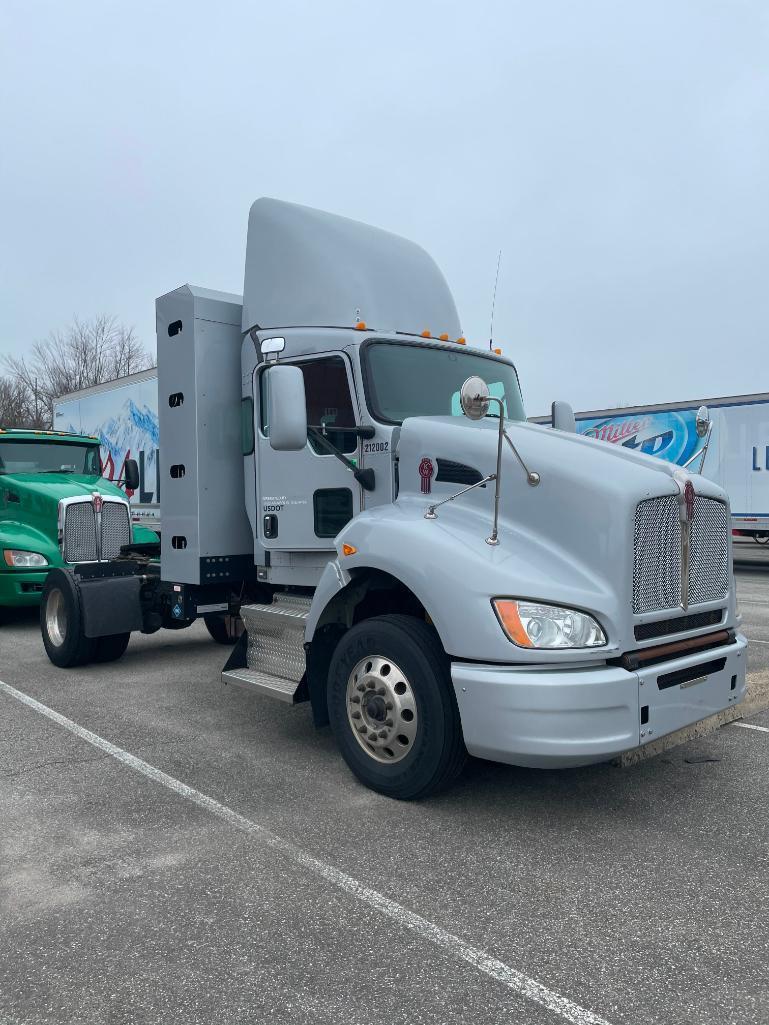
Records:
x=382, y=709
x=56, y=617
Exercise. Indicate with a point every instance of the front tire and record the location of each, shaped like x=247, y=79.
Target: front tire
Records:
x=392, y=707
x=61, y=622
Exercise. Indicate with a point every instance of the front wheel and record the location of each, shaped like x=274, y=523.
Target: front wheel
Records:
x=392, y=707
x=61, y=621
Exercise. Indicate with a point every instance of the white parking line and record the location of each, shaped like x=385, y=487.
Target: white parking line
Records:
x=756, y=640
x=495, y=969
x=750, y=726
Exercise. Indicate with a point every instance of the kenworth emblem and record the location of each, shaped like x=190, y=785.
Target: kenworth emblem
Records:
x=98, y=502
x=426, y=471
x=689, y=500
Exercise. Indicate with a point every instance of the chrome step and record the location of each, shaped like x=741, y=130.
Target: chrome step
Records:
x=276, y=636
x=273, y=686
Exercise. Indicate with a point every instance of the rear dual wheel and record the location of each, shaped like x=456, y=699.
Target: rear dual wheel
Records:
x=224, y=629
x=392, y=707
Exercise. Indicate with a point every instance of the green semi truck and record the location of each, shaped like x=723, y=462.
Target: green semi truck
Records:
x=42, y=473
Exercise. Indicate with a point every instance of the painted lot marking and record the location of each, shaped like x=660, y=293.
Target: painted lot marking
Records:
x=755, y=640
x=495, y=969
x=750, y=726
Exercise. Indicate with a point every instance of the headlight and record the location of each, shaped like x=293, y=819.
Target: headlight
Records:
x=24, y=560
x=533, y=625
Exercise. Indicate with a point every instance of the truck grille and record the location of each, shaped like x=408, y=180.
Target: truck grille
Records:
x=115, y=529
x=88, y=538
x=657, y=553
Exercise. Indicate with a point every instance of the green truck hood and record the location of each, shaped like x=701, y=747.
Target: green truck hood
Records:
x=29, y=507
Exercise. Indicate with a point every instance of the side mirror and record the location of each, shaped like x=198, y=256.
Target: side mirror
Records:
x=287, y=408
x=563, y=417
x=131, y=475
x=474, y=398
x=702, y=421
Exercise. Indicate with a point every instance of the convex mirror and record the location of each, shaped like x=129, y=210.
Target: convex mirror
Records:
x=702, y=421
x=270, y=347
x=474, y=398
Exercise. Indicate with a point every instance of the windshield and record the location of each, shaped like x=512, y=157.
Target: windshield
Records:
x=49, y=457
x=405, y=380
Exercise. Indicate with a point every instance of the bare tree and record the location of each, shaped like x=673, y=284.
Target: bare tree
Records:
x=15, y=408
x=86, y=353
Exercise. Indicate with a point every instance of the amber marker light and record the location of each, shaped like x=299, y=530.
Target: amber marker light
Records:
x=461, y=341
x=361, y=325
x=498, y=352
x=507, y=613
x=443, y=338
x=349, y=549
x=426, y=334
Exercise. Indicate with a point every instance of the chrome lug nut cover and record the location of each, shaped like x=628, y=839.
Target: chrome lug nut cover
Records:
x=382, y=709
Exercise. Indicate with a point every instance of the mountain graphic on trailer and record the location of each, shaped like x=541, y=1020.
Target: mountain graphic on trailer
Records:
x=133, y=430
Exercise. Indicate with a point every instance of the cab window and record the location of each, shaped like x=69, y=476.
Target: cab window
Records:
x=328, y=400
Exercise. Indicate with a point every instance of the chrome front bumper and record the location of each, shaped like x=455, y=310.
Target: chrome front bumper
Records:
x=557, y=717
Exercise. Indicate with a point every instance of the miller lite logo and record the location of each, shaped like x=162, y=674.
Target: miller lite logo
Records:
x=426, y=471
x=689, y=500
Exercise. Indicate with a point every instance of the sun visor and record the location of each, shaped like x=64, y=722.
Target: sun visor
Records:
x=306, y=268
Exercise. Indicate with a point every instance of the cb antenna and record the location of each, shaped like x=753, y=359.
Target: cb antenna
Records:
x=494, y=303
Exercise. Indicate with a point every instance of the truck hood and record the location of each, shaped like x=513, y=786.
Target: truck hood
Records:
x=561, y=459
x=567, y=541
x=33, y=499
x=51, y=487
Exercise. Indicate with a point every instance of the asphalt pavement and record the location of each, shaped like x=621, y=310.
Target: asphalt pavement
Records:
x=173, y=851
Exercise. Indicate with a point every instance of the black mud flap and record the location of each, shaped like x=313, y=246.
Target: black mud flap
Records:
x=110, y=605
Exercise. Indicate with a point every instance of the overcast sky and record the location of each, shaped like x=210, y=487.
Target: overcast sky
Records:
x=617, y=153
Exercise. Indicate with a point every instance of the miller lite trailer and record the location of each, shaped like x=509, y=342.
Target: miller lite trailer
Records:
x=738, y=454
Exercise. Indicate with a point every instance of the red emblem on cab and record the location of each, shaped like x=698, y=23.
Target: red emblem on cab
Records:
x=426, y=472
x=689, y=499
x=98, y=502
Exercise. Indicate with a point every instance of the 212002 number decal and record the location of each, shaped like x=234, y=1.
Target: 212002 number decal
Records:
x=376, y=446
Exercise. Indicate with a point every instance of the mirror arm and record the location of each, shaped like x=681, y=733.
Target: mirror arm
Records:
x=532, y=477
x=431, y=514
x=365, y=478
x=702, y=452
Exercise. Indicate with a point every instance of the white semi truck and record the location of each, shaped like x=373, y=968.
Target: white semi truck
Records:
x=359, y=495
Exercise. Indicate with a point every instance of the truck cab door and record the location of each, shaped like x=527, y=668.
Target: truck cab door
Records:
x=304, y=498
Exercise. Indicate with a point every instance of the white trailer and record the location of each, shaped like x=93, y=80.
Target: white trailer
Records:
x=123, y=415
x=738, y=454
